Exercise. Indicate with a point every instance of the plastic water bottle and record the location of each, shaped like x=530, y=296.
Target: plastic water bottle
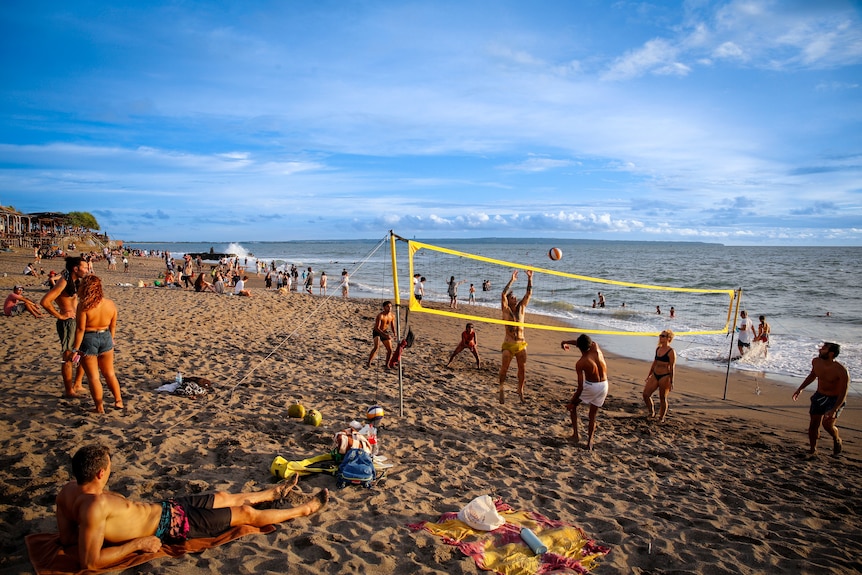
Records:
x=533, y=541
x=179, y=378
x=375, y=442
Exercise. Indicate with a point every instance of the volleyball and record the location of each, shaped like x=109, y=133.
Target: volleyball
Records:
x=374, y=412
x=555, y=253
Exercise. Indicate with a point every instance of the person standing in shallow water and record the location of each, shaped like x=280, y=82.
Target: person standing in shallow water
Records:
x=746, y=333
x=660, y=376
x=763, y=331
x=96, y=327
x=827, y=402
x=452, y=290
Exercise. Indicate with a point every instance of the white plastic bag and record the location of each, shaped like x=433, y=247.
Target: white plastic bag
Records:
x=481, y=513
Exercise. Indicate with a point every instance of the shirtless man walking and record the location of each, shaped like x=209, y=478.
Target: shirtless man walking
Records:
x=91, y=517
x=830, y=397
x=514, y=343
x=592, y=383
x=65, y=295
x=383, y=323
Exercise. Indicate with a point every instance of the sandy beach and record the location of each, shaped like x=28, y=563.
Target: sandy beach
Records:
x=722, y=486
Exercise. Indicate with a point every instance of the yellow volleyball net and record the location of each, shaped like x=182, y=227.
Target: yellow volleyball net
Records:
x=560, y=301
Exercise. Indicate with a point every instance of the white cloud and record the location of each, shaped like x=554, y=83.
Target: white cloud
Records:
x=729, y=50
x=657, y=53
x=538, y=165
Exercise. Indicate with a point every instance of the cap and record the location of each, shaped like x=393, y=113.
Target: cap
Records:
x=17, y=288
x=52, y=273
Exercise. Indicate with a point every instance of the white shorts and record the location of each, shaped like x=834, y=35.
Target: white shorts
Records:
x=594, y=393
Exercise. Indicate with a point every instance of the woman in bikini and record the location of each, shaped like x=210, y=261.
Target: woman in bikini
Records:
x=96, y=323
x=660, y=375
x=763, y=335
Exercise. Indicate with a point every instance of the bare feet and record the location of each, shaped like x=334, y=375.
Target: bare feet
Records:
x=320, y=499
x=100, y=407
x=502, y=396
x=837, y=446
x=119, y=404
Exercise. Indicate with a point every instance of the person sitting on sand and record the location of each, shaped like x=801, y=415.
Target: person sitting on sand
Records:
x=16, y=303
x=170, y=281
x=828, y=401
x=468, y=341
x=592, y=388
x=95, y=328
x=201, y=284
x=107, y=527
x=218, y=283
x=660, y=376
x=239, y=287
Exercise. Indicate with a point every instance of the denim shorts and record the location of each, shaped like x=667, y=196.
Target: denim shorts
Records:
x=96, y=342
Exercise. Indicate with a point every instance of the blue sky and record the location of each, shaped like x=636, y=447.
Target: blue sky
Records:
x=734, y=122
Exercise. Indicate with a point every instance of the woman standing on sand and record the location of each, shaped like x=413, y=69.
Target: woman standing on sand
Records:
x=660, y=375
x=94, y=340
x=453, y=292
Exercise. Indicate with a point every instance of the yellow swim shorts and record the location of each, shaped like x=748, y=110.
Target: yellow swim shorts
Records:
x=514, y=347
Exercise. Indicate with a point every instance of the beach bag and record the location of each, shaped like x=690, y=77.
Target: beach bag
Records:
x=356, y=468
x=481, y=514
x=348, y=439
x=194, y=387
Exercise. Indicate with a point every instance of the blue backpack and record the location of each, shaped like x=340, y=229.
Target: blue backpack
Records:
x=356, y=468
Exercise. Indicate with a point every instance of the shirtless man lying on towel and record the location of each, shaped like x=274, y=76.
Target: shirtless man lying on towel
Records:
x=92, y=516
x=592, y=383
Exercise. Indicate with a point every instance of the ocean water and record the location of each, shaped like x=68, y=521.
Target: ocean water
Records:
x=808, y=294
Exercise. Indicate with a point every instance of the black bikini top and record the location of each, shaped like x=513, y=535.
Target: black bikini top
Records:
x=665, y=358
